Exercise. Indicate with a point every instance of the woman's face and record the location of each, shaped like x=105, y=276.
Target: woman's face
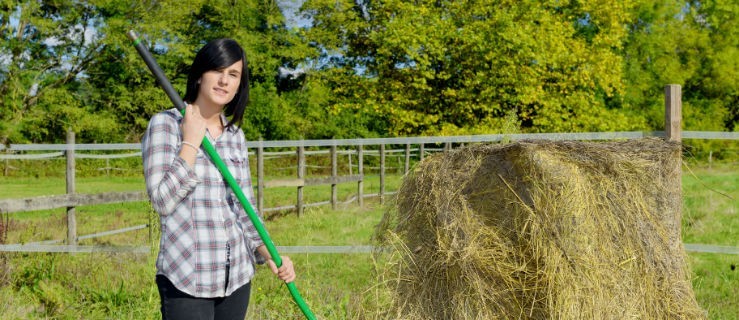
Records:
x=220, y=86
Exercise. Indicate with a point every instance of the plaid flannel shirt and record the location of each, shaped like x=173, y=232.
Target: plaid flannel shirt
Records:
x=199, y=214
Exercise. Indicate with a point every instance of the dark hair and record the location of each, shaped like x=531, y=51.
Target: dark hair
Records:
x=215, y=55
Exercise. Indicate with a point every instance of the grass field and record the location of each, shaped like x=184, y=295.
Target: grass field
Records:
x=711, y=216
x=336, y=286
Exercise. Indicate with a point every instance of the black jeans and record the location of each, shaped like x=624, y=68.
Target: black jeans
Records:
x=177, y=305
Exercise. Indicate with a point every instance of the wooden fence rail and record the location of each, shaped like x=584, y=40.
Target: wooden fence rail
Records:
x=69, y=200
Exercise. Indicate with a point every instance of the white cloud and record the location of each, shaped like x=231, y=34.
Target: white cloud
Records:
x=291, y=73
x=290, y=10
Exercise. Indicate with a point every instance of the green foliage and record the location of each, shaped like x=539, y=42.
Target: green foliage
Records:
x=45, y=53
x=687, y=43
x=33, y=274
x=111, y=299
x=70, y=64
x=264, y=118
x=445, y=67
x=373, y=69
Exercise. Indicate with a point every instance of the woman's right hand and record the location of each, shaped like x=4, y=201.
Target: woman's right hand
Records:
x=193, y=126
x=193, y=130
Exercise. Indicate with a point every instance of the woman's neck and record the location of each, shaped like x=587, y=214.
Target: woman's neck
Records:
x=211, y=113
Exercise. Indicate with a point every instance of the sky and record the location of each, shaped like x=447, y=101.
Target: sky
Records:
x=290, y=11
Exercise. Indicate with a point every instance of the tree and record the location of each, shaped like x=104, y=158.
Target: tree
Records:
x=256, y=25
x=715, y=89
x=690, y=43
x=47, y=49
x=451, y=67
x=375, y=68
x=68, y=64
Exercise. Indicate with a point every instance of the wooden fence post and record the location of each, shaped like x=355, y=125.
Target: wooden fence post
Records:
x=334, y=174
x=71, y=220
x=673, y=112
x=260, y=176
x=399, y=166
x=673, y=132
x=7, y=164
x=349, y=157
x=360, y=172
x=407, y=158
x=420, y=152
x=382, y=173
x=301, y=175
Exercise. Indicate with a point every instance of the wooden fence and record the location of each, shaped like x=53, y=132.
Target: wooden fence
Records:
x=351, y=147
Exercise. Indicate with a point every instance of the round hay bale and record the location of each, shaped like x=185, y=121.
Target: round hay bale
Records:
x=540, y=230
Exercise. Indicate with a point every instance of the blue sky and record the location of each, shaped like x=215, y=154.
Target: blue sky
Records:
x=290, y=11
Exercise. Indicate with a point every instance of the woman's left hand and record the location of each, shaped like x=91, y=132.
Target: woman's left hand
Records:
x=286, y=272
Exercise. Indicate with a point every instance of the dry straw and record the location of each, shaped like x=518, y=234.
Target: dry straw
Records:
x=538, y=230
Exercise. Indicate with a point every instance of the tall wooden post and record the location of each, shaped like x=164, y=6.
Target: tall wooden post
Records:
x=407, y=158
x=382, y=174
x=260, y=176
x=673, y=168
x=349, y=158
x=334, y=173
x=7, y=165
x=301, y=175
x=673, y=112
x=360, y=172
x=420, y=152
x=71, y=219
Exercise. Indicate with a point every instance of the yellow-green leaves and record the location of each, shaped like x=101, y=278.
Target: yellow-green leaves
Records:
x=456, y=66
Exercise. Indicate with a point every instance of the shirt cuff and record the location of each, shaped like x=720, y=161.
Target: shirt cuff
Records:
x=188, y=178
x=257, y=256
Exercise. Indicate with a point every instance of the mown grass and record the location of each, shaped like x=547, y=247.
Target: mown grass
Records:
x=711, y=205
x=336, y=286
x=711, y=216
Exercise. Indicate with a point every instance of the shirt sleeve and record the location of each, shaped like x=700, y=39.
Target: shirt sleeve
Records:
x=246, y=186
x=169, y=179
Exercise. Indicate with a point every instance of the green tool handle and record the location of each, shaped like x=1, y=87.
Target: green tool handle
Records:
x=211, y=151
x=213, y=154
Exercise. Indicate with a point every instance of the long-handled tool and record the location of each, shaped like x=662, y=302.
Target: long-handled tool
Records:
x=211, y=151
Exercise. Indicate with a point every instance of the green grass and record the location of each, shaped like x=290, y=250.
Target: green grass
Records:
x=286, y=196
x=33, y=187
x=121, y=286
x=274, y=197
x=716, y=283
x=711, y=205
x=711, y=216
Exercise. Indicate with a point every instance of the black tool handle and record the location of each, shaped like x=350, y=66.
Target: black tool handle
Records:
x=157, y=71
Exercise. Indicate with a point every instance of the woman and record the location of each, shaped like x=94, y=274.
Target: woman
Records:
x=209, y=247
